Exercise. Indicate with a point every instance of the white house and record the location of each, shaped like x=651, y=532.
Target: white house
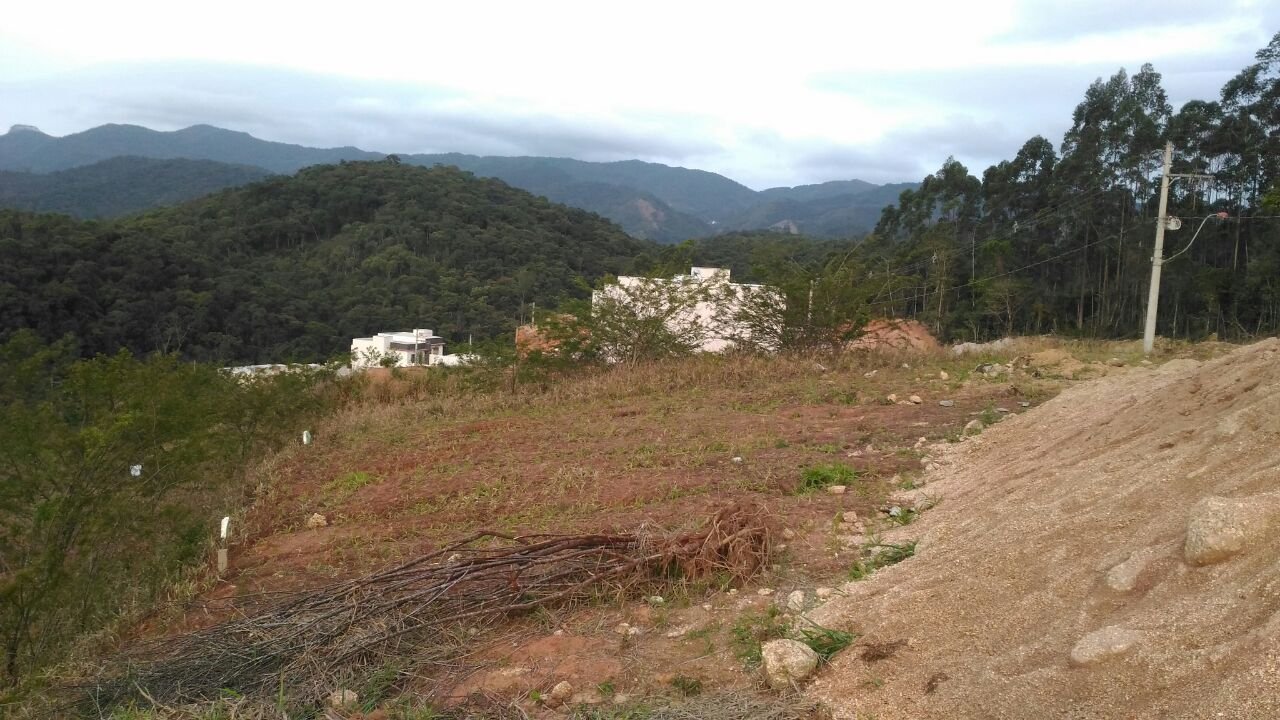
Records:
x=711, y=307
x=406, y=348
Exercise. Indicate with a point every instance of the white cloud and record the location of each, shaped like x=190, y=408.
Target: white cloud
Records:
x=749, y=89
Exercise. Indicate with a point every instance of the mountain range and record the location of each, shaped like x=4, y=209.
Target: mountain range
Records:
x=74, y=174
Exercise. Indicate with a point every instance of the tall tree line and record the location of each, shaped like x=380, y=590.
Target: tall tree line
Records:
x=1060, y=240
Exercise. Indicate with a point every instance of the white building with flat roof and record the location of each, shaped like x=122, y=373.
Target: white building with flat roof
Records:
x=711, y=306
x=403, y=348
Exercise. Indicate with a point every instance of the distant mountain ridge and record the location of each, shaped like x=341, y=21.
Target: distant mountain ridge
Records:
x=120, y=185
x=649, y=200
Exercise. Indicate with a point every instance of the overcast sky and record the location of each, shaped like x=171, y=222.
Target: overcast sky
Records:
x=776, y=93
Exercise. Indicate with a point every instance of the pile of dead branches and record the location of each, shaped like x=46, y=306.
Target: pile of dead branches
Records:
x=304, y=641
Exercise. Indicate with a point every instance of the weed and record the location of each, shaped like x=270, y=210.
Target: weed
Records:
x=903, y=516
x=885, y=554
x=607, y=688
x=686, y=685
x=825, y=641
x=821, y=476
x=989, y=416
x=406, y=709
x=752, y=630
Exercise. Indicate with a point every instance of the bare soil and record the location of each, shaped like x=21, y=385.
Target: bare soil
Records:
x=1012, y=568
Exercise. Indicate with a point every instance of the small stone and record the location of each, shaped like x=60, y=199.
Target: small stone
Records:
x=733, y=591
x=633, y=631
x=1124, y=577
x=891, y=397
x=1146, y=362
x=621, y=699
x=655, y=600
x=622, y=628
x=737, y=459
x=557, y=633
x=343, y=698
x=849, y=516
x=973, y=427
x=1023, y=403
x=764, y=592
x=1115, y=362
x=786, y=662
x=560, y=692
x=1002, y=410
x=837, y=489
x=947, y=403
x=942, y=375
x=906, y=366
x=870, y=374
x=915, y=399
x=707, y=606
x=819, y=367
x=316, y=521
x=1103, y=644
x=788, y=534
x=824, y=592
x=795, y=601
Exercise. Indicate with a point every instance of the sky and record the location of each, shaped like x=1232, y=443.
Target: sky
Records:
x=777, y=93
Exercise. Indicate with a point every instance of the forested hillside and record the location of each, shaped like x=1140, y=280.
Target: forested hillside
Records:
x=649, y=200
x=1061, y=240
x=292, y=268
x=120, y=185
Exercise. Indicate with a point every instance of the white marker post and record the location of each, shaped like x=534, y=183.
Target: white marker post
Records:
x=135, y=470
x=222, y=550
x=306, y=437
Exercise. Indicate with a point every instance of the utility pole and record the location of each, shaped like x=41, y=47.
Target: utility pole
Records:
x=1157, y=258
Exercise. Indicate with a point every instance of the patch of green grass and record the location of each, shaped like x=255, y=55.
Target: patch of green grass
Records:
x=825, y=641
x=821, y=476
x=751, y=630
x=989, y=416
x=884, y=555
x=347, y=484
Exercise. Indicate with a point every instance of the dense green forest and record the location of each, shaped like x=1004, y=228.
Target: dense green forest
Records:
x=292, y=268
x=649, y=200
x=1061, y=240
x=120, y=185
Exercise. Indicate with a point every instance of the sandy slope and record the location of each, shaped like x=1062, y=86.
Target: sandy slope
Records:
x=1016, y=564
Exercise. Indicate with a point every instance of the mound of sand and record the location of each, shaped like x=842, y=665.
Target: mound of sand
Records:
x=895, y=334
x=1113, y=554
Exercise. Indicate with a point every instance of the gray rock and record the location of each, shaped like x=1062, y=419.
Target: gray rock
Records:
x=1103, y=644
x=915, y=399
x=785, y=663
x=1223, y=527
x=795, y=601
x=947, y=403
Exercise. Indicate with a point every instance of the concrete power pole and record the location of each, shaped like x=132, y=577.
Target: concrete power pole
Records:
x=1157, y=258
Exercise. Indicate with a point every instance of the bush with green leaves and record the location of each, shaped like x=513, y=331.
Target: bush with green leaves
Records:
x=113, y=474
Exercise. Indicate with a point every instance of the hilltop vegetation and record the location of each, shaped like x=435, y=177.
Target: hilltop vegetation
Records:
x=649, y=200
x=1061, y=240
x=292, y=268
x=120, y=185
